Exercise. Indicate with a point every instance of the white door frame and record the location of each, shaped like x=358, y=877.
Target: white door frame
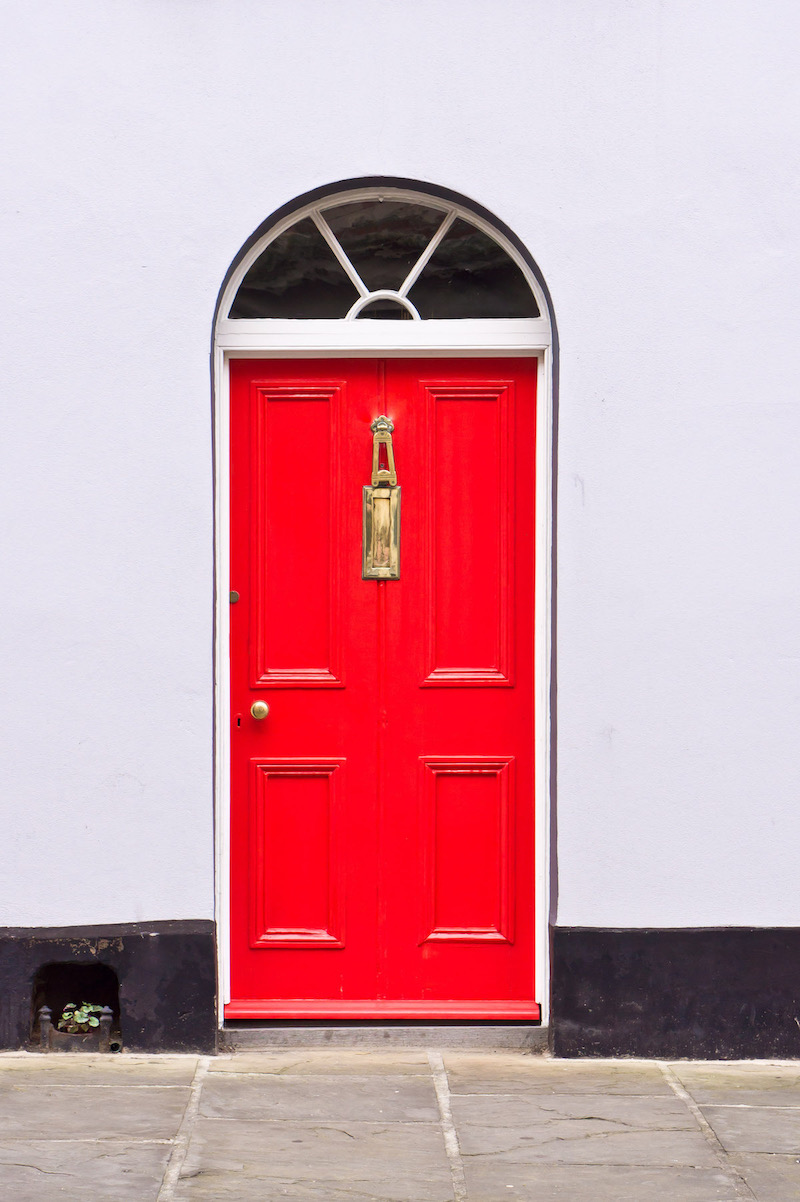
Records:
x=315, y=339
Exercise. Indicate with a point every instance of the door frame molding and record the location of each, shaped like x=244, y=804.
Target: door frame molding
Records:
x=467, y=338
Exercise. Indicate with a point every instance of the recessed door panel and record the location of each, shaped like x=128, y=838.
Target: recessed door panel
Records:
x=470, y=475
x=296, y=627
x=382, y=805
x=467, y=855
x=296, y=899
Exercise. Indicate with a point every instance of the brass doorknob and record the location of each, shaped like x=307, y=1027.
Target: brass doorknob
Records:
x=259, y=709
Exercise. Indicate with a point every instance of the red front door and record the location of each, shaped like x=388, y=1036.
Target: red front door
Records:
x=382, y=812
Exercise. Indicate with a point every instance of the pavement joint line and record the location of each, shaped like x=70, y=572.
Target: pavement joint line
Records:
x=122, y=1084
x=80, y=1139
x=737, y=1180
x=560, y=1093
x=215, y=1076
x=299, y=1120
x=103, y=1057
x=743, y=1106
x=452, y=1149
x=180, y=1144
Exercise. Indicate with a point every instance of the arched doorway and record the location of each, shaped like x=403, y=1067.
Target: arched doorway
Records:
x=383, y=716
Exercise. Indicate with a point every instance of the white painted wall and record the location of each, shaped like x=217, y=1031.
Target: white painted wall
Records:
x=646, y=153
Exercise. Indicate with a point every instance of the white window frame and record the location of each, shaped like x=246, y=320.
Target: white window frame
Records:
x=315, y=339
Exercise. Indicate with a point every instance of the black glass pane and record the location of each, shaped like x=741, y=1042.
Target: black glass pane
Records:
x=385, y=310
x=297, y=275
x=469, y=275
x=383, y=238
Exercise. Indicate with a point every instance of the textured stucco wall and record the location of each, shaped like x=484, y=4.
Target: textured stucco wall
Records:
x=646, y=154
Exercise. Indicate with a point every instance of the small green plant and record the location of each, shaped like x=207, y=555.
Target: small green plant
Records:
x=76, y=1019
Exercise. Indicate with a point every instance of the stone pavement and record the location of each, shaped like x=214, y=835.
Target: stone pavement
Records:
x=401, y=1126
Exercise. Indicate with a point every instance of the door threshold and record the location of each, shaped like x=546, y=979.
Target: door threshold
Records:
x=370, y=1010
x=486, y=1036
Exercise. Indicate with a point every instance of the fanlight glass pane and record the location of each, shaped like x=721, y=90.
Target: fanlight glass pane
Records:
x=469, y=275
x=297, y=275
x=383, y=238
x=385, y=309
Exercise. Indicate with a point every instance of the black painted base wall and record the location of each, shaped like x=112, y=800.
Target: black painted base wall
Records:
x=166, y=971
x=722, y=993
x=726, y=993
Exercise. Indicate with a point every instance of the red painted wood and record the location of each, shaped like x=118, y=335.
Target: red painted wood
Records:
x=469, y=469
x=382, y=815
x=467, y=850
x=268, y=1008
x=295, y=804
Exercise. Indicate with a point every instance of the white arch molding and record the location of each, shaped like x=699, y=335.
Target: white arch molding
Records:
x=316, y=338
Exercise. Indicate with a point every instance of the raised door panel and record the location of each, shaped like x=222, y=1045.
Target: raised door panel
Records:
x=468, y=850
x=296, y=532
x=295, y=854
x=469, y=524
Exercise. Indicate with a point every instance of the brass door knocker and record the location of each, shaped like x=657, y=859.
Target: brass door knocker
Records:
x=381, y=534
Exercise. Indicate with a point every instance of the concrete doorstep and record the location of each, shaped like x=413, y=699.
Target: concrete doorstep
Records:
x=396, y=1126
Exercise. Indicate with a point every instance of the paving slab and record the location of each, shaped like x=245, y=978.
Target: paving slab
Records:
x=383, y=1099
x=771, y=1178
x=70, y=1112
x=336, y=1124
x=89, y=1069
x=749, y=1129
x=486, y=1182
x=398, y=1162
x=754, y=1084
x=580, y=1130
x=357, y=1062
x=46, y=1171
x=508, y=1074
x=258, y=1190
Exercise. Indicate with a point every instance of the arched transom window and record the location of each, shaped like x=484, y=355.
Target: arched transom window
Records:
x=383, y=257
